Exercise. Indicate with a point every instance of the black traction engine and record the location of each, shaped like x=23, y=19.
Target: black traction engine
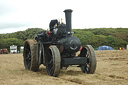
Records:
x=58, y=49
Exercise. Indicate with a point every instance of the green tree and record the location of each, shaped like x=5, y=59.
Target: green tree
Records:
x=6, y=43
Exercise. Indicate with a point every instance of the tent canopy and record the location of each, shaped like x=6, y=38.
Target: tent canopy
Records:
x=104, y=48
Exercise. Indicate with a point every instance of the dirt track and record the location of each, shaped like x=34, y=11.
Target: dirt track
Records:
x=112, y=69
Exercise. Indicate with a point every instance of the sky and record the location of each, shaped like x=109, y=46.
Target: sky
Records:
x=19, y=15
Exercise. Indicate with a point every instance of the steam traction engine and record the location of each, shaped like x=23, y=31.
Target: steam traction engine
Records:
x=57, y=50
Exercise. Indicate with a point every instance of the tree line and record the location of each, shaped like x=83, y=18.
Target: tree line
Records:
x=115, y=37
x=17, y=38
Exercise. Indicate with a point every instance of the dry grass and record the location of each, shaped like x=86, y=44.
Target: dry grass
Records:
x=112, y=69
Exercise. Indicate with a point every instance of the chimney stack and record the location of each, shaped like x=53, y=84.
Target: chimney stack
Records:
x=68, y=13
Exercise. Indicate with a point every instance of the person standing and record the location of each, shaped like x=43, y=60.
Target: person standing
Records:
x=52, y=24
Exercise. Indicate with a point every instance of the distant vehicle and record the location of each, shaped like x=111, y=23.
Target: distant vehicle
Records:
x=21, y=49
x=3, y=51
x=13, y=49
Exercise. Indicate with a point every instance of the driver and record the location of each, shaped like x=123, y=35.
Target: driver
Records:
x=52, y=24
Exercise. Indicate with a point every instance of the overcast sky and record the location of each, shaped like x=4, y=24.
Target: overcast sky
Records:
x=18, y=15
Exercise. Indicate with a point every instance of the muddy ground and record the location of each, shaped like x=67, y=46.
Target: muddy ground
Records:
x=112, y=69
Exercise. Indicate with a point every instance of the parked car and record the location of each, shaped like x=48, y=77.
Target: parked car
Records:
x=3, y=51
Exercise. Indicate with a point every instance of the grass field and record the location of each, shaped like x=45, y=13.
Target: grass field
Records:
x=112, y=69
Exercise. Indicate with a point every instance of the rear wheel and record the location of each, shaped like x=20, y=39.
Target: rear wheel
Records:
x=89, y=53
x=53, y=61
x=29, y=54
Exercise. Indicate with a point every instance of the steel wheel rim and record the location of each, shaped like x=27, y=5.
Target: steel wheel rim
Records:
x=50, y=63
x=27, y=57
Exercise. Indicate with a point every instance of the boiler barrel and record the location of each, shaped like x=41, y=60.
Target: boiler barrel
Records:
x=68, y=20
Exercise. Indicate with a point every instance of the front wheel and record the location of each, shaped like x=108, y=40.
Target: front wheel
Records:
x=53, y=61
x=89, y=53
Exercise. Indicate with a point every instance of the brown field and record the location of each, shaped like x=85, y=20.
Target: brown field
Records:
x=112, y=69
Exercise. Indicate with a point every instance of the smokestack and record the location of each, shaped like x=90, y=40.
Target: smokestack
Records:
x=68, y=20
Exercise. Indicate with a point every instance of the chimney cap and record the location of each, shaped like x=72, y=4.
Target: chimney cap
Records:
x=68, y=10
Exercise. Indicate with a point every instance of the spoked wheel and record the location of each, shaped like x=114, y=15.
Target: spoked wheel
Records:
x=89, y=53
x=53, y=61
x=29, y=55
